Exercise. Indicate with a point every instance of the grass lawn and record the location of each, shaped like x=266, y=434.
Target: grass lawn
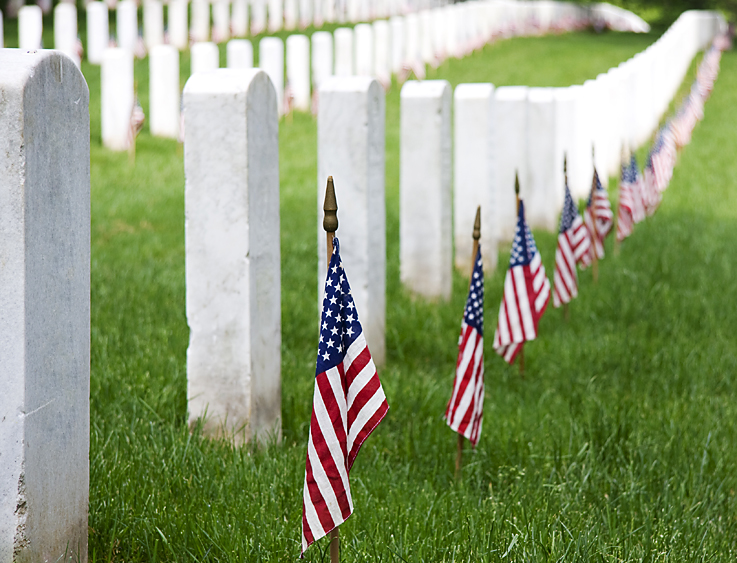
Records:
x=619, y=445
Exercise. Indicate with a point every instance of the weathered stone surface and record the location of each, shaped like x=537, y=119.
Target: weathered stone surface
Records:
x=425, y=237
x=350, y=148
x=231, y=161
x=44, y=308
x=164, y=91
x=298, y=70
x=474, y=173
x=117, y=97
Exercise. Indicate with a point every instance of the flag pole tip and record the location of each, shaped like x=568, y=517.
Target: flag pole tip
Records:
x=330, y=221
x=477, y=224
x=516, y=182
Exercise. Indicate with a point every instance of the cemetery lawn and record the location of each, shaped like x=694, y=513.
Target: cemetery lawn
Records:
x=620, y=444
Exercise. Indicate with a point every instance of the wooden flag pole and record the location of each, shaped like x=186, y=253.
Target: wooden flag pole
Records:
x=595, y=234
x=475, y=251
x=566, y=312
x=330, y=224
x=522, y=351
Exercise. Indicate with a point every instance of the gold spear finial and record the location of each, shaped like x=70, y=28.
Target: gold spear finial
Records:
x=330, y=221
x=477, y=224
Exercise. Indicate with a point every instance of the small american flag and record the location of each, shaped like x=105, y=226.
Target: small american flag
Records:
x=574, y=244
x=136, y=122
x=638, y=187
x=465, y=409
x=526, y=294
x=598, y=207
x=625, y=213
x=348, y=404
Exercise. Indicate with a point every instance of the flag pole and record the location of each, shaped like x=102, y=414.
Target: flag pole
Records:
x=566, y=313
x=330, y=224
x=592, y=210
x=475, y=251
x=522, y=351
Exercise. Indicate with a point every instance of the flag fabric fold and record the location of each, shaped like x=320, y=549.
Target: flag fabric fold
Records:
x=597, y=207
x=465, y=409
x=348, y=404
x=626, y=210
x=526, y=294
x=574, y=246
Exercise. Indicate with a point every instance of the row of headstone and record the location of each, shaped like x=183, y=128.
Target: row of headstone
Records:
x=235, y=303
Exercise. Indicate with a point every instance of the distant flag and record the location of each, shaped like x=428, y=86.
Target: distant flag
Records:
x=465, y=409
x=526, y=294
x=638, y=187
x=288, y=98
x=348, y=404
x=574, y=244
x=598, y=207
x=137, y=119
x=625, y=212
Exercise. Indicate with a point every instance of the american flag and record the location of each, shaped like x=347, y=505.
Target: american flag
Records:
x=638, y=187
x=526, y=294
x=465, y=409
x=136, y=122
x=348, y=404
x=598, y=206
x=625, y=213
x=574, y=244
x=651, y=196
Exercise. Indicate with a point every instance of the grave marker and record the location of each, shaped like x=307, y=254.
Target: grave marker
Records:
x=178, y=24
x=65, y=30
x=231, y=163
x=117, y=98
x=344, y=51
x=30, y=28
x=126, y=21
x=271, y=60
x=45, y=304
x=350, y=147
x=98, y=31
x=364, y=49
x=164, y=91
x=425, y=236
x=205, y=56
x=239, y=53
x=298, y=70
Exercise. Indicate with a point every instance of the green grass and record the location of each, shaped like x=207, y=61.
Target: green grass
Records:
x=619, y=445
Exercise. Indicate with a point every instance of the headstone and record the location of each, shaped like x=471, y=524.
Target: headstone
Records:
x=350, y=148
x=298, y=70
x=344, y=51
x=200, y=21
x=474, y=173
x=439, y=28
x=231, y=203
x=117, y=98
x=305, y=13
x=396, y=25
x=164, y=91
x=427, y=53
x=364, y=49
x=352, y=11
x=205, y=56
x=510, y=156
x=543, y=201
x=126, y=25
x=382, y=47
x=220, y=21
x=45, y=304
x=2, y=38
x=412, y=57
x=65, y=30
x=322, y=58
x=565, y=135
x=452, y=48
x=153, y=23
x=276, y=16
x=239, y=18
x=271, y=60
x=290, y=14
x=98, y=31
x=258, y=16
x=425, y=237
x=30, y=28
x=178, y=24
x=329, y=10
x=239, y=53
